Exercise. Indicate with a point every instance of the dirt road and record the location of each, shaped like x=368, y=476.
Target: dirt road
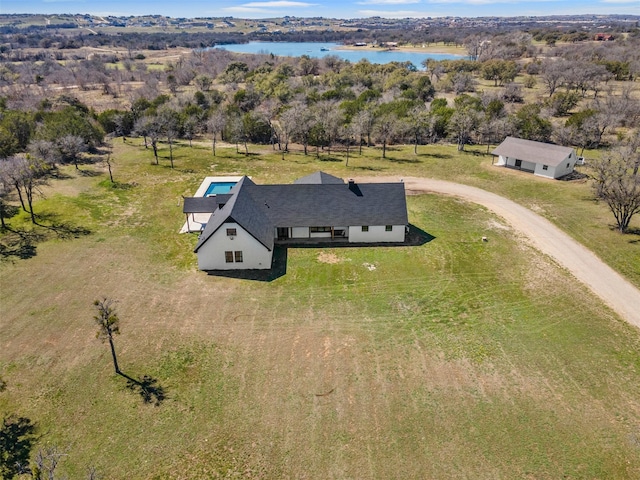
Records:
x=610, y=286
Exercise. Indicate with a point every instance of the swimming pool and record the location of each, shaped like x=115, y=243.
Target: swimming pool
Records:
x=215, y=188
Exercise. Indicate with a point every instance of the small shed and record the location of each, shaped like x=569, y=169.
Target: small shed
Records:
x=539, y=158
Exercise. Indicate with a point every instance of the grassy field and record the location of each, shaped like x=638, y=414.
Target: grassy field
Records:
x=453, y=359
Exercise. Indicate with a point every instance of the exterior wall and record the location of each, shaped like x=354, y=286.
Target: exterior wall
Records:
x=300, y=232
x=550, y=172
x=562, y=169
x=211, y=255
x=511, y=162
x=538, y=168
x=376, y=234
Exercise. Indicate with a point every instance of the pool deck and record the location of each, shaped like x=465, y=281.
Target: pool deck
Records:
x=197, y=221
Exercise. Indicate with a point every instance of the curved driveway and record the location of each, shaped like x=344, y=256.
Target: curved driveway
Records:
x=606, y=283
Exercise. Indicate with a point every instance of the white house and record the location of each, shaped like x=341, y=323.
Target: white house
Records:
x=544, y=159
x=246, y=225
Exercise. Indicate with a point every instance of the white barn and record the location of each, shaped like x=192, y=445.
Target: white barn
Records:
x=246, y=225
x=543, y=159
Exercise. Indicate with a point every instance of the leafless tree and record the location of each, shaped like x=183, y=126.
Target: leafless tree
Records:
x=108, y=325
x=45, y=151
x=553, y=74
x=71, y=146
x=617, y=182
x=386, y=127
x=215, y=125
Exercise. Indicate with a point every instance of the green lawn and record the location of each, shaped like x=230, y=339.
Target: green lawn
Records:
x=453, y=359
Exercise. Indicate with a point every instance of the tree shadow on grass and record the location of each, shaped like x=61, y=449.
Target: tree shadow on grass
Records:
x=404, y=160
x=329, y=158
x=370, y=168
x=17, y=436
x=147, y=387
x=436, y=155
x=62, y=230
x=89, y=173
x=636, y=232
x=22, y=243
x=18, y=243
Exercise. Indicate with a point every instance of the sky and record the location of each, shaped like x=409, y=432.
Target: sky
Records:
x=324, y=8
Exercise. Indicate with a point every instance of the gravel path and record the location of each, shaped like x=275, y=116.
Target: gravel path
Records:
x=617, y=292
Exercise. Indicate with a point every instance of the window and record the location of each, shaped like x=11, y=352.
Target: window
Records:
x=228, y=257
x=238, y=256
x=568, y=165
x=545, y=167
x=365, y=228
x=388, y=228
x=319, y=229
x=231, y=232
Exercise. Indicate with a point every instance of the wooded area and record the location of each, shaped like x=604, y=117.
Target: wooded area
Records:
x=62, y=94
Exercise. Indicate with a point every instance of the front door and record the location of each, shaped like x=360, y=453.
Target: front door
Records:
x=283, y=233
x=518, y=163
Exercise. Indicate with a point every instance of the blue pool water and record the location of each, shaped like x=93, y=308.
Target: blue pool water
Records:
x=219, y=187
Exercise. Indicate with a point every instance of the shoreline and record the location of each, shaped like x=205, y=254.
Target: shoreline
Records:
x=442, y=49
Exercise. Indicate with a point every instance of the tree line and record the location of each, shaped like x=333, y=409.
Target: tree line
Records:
x=584, y=98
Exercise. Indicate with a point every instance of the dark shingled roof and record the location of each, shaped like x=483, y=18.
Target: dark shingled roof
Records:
x=319, y=177
x=259, y=209
x=241, y=209
x=199, y=204
x=530, y=151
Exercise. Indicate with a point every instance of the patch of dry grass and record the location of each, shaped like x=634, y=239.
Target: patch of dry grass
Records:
x=454, y=359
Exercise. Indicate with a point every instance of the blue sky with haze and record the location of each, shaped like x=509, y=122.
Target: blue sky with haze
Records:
x=324, y=8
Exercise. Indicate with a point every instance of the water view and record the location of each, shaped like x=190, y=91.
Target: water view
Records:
x=322, y=49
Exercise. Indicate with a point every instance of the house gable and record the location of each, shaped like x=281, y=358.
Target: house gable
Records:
x=317, y=206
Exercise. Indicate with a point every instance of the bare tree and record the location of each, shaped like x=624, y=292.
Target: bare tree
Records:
x=44, y=150
x=330, y=119
x=108, y=325
x=6, y=187
x=553, y=73
x=169, y=123
x=385, y=128
x=46, y=462
x=617, y=182
x=301, y=122
x=418, y=124
x=216, y=125
x=364, y=120
x=26, y=175
x=462, y=124
x=71, y=146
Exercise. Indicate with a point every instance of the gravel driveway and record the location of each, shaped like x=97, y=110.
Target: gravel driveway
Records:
x=610, y=286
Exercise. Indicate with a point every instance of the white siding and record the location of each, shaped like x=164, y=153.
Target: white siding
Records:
x=300, y=232
x=566, y=166
x=376, y=233
x=211, y=255
x=538, y=168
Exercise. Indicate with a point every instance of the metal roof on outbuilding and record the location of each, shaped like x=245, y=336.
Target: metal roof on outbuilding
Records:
x=531, y=151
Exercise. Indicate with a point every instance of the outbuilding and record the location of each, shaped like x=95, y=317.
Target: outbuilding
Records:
x=543, y=159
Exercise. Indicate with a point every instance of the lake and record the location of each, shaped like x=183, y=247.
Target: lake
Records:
x=315, y=50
